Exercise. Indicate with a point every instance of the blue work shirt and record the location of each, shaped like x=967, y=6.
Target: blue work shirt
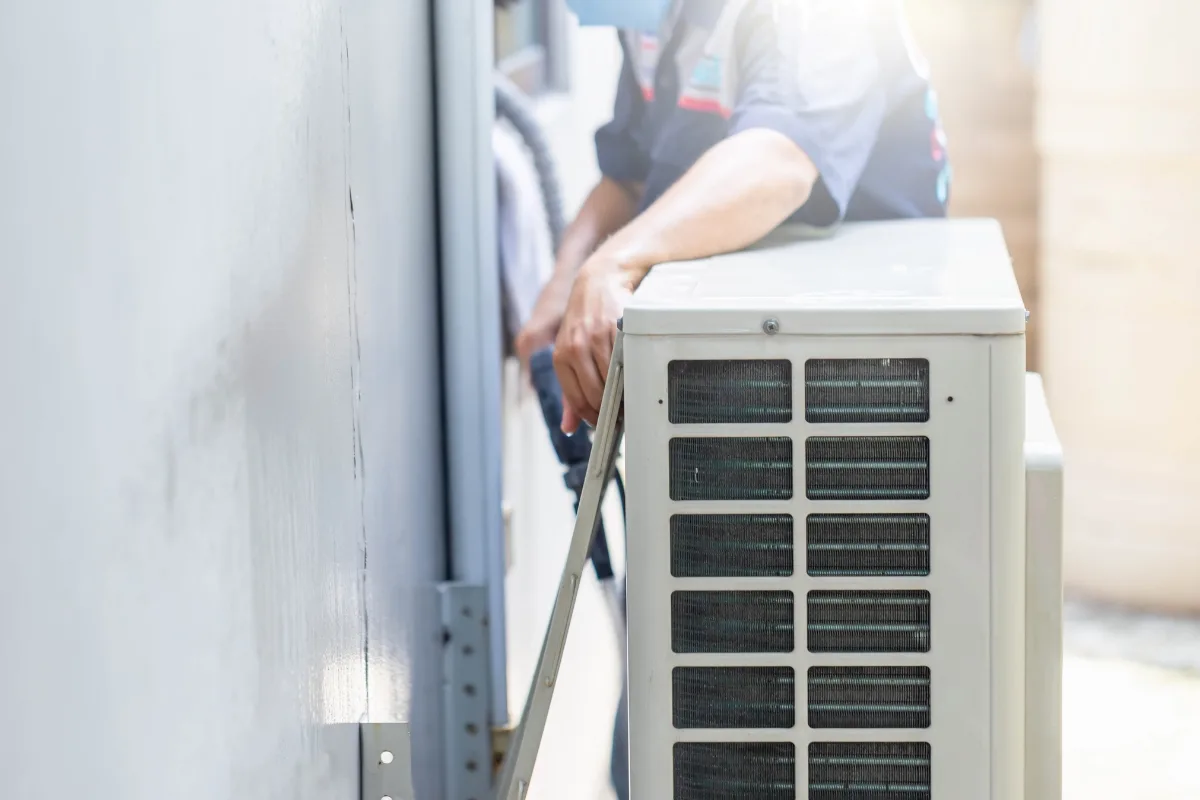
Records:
x=840, y=78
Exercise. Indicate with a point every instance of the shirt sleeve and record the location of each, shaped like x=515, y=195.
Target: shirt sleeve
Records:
x=811, y=71
x=618, y=150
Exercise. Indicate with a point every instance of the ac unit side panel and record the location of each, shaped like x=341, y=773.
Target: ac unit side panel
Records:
x=1007, y=367
x=1043, y=594
x=949, y=628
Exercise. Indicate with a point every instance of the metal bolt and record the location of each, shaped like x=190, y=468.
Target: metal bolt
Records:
x=771, y=327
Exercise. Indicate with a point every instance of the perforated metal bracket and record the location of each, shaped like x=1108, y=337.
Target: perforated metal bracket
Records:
x=386, y=761
x=517, y=769
x=465, y=682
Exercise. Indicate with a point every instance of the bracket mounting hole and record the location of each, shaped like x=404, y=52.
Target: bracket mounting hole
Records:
x=386, y=757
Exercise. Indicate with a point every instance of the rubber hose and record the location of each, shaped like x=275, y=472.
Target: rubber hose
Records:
x=515, y=107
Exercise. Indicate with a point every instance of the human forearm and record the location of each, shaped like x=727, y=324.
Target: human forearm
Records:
x=735, y=194
x=608, y=208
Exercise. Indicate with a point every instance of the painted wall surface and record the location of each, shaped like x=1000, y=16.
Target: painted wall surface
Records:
x=220, y=485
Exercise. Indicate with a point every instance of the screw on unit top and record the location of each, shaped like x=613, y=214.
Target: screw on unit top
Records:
x=771, y=327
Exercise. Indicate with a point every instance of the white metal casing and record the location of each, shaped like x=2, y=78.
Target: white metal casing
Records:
x=944, y=292
x=1043, y=597
x=900, y=278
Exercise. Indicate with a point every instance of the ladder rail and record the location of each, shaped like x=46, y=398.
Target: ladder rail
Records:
x=517, y=770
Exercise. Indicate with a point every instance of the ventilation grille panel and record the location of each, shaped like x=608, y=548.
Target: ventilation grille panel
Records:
x=867, y=545
x=734, y=697
x=866, y=390
x=867, y=467
x=869, y=771
x=732, y=545
x=729, y=392
x=868, y=622
x=868, y=697
x=731, y=468
x=733, y=622
x=735, y=771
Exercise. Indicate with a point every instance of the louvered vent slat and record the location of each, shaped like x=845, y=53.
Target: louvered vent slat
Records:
x=732, y=545
x=866, y=390
x=735, y=771
x=868, y=697
x=868, y=621
x=733, y=622
x=729, y=391
x=734, y=697
x=867, y=467
x=857, y=545
x=869, y=771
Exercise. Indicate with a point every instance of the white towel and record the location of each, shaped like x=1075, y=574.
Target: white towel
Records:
x=523, y=236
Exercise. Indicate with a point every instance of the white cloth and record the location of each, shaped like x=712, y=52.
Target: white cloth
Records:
x=523, y=236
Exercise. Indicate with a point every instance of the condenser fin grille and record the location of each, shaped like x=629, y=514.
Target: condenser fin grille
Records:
x=716, y=392
x=733, y=622
x=867, y=545
x=868, y=697
x=731, y=468
x=732, y=545
x=734, y=697
x=866, y=390
x=735, y=771
x=867, y=467
x=868, y=622
x=869, y=771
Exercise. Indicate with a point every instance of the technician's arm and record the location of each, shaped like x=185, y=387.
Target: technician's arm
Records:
x=608, y=207
x=735, y=194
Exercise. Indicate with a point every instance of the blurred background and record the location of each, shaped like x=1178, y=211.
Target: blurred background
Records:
x=1077, y=125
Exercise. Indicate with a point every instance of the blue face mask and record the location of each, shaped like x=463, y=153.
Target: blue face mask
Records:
x=639, y=15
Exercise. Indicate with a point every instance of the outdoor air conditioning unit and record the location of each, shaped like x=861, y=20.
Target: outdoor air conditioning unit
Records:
x=834, y=591
x=844, y=527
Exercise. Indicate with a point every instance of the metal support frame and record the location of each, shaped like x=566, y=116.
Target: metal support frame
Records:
x=465, y=689
x=386, y=761
x=517, y=770
x=472, y=350
x=470, y=742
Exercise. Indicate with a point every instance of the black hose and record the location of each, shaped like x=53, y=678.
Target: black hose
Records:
x=514, y=106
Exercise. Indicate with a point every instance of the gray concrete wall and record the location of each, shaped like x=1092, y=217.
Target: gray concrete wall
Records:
x=219, y=453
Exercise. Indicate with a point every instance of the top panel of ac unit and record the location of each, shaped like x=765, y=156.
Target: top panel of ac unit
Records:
x=910, y=277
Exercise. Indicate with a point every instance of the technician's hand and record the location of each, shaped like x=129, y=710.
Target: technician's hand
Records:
x=545, y=319
x=586, y=338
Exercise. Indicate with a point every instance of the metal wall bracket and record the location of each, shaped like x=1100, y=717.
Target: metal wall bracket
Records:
x=465, y=687
x=386, y=749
